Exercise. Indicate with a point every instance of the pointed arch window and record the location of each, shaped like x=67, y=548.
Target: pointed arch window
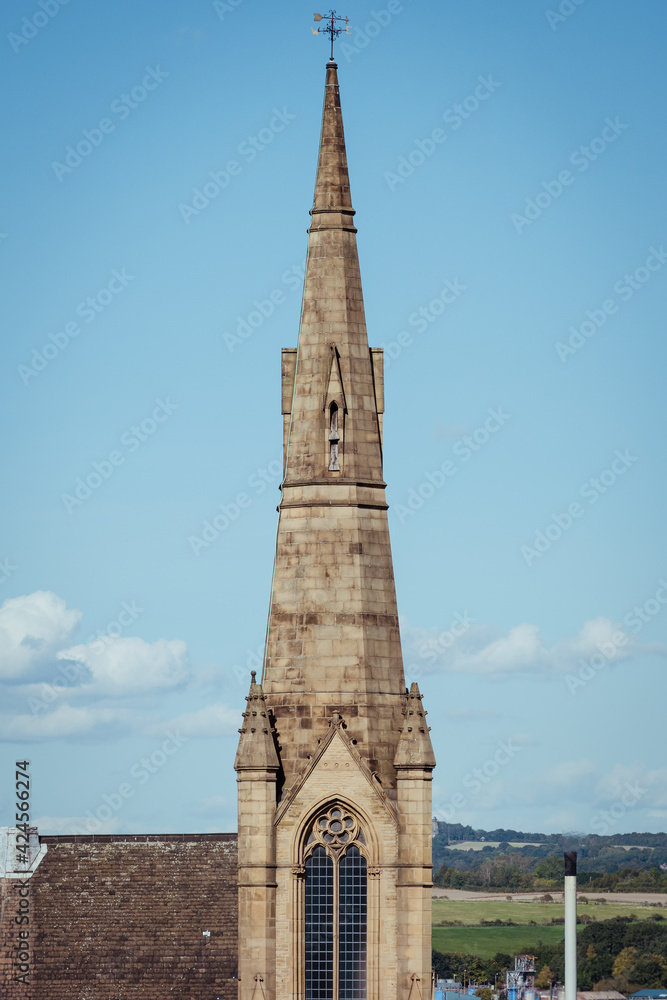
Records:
x=336, y=908
x=334, y=438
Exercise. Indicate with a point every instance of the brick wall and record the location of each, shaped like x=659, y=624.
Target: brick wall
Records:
x=121, y=918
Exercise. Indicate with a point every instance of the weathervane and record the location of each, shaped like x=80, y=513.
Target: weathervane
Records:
x=331, y=30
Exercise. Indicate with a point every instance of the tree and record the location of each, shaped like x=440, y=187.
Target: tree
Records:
x=503, y=959
x=544, y=978
x=550, y=868
x=591, y=952
x=484, y=992
x=624, y=960
x=650, y=970
x=474, y=969
x=648, y=936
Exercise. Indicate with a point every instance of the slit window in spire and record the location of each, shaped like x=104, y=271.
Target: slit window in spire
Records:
x=334, y=438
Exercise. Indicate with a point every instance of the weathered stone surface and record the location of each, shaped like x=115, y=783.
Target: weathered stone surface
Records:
x=348, y=736
x=414, y=746
x=256, y=746
x=333, y=642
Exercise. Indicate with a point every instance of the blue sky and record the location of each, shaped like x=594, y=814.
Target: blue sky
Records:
x=506, y=165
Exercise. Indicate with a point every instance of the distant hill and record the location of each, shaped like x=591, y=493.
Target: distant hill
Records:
x=455, y=832
x=622, y=861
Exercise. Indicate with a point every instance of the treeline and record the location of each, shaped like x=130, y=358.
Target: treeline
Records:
x=452, y=965
x=606, y=860
x=459, y=832
x=506, y=872
x=517, y=873
x=625, y=880
x=622, y=954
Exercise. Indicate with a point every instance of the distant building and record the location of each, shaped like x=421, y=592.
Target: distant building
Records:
x=602, y=995
x=449, y=985
x=440, y=994
x=521, y=978
x=649, y=995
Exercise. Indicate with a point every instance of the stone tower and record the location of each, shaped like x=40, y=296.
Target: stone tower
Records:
x=335, y=760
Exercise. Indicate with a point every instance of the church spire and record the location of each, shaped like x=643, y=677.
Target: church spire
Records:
x=332, y=186
x=335, y=760
x=332, y=378
x=333, y=642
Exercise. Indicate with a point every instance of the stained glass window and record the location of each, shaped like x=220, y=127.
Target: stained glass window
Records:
x=319, y=926
x=336, y=910
x=352, y=914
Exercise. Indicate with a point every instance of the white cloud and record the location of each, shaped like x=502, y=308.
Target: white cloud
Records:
x=568, y=773
x=64, y=721
x=98, y=721
x=650, y=785
x=35, y=630
x=581, y=782
x=32, y=628
x=525, y=740
x=561, y=784
x=213, y=720
x=129, y=665
x=479, y=649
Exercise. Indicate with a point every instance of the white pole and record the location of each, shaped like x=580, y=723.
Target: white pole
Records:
x=570, y=896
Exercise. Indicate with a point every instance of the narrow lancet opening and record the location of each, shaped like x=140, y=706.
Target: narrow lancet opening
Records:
x=319, y=950
x=334, y=438
x=352, y=920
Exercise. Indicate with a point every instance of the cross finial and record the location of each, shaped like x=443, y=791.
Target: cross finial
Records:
x=330, y=28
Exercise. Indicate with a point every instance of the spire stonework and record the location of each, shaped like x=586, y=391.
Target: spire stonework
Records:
x=335, y=902
x=333, y=641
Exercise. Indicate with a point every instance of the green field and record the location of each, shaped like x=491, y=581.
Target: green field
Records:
x=473, y=939
x=488, y=941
